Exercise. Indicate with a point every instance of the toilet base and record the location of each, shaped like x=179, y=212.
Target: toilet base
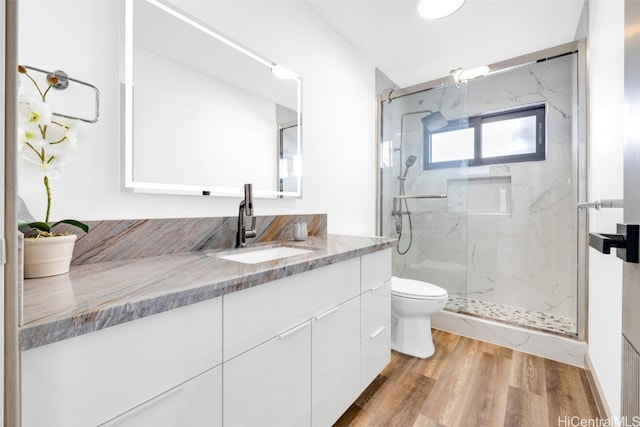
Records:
x=412, y=336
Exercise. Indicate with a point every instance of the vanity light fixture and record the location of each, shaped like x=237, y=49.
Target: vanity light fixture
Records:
x=282, y=73
x=438, y=9
x=461, y=75
x=195, y=24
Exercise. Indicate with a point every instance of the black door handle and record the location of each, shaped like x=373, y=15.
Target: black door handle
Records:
x=604, y=242
x=625, y=242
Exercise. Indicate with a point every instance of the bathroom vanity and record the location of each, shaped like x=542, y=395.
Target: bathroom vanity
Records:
x=159, y=341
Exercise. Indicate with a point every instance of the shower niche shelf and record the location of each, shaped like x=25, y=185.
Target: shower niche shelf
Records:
x=485, y=195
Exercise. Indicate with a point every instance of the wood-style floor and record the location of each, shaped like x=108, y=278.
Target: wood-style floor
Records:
x=471, y=383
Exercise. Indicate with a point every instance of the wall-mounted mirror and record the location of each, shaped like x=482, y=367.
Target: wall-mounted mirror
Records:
x=204, y=115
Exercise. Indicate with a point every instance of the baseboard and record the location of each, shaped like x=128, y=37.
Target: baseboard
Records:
x=601, y=402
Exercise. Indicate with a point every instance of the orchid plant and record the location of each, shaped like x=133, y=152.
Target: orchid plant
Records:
x=46, y=144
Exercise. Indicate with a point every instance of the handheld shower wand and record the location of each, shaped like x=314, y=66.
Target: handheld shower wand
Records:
x=410, y=162
x=397, y=206
x=402, y=177
x=433, y=121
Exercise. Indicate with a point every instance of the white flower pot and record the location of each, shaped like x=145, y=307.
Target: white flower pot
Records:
x=47, y=256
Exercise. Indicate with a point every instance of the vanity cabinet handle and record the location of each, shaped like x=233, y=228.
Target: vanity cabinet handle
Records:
x=142, y=407
x=292, y=331
x=377, y=332
x=326, y=313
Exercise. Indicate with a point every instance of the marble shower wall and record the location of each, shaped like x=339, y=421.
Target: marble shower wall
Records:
x=506, y=233
x=113, y=240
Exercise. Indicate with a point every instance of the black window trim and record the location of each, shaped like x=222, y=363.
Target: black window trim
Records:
x=475, y=122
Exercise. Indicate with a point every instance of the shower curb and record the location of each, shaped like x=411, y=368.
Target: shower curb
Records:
x=550, y=346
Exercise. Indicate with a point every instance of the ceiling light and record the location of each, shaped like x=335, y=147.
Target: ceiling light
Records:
x=438, y=9
x=462, y=75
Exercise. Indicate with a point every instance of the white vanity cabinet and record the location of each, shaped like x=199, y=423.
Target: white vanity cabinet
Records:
x=375, y=314
x=94, y=378
x=293, y=352
x=298, y=351
x=269, y=369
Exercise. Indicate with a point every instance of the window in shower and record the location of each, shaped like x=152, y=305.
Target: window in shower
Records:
x=516, y=135
x=451, y=145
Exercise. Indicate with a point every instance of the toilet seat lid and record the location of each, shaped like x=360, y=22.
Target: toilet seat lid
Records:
x=417, y=289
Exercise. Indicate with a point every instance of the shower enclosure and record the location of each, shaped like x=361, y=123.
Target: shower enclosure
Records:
x=480, y=181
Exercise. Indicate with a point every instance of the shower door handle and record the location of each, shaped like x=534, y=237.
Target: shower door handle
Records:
x=626, y=242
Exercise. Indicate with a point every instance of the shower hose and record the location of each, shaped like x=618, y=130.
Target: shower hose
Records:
x=399, y=222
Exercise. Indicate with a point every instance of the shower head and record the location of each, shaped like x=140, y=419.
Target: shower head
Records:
x=434, y=121
x=410, y=162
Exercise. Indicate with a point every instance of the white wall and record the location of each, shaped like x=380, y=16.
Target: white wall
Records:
x=606, y=91
x=82, y=38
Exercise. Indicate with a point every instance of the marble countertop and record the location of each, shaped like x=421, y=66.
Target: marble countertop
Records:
x=96, y=296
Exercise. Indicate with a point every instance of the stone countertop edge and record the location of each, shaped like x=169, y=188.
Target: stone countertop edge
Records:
x=90, y=316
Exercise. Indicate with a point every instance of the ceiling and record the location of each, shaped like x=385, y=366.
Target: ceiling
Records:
x=411, y=50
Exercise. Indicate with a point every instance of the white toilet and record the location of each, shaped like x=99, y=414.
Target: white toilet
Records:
x=412, y=304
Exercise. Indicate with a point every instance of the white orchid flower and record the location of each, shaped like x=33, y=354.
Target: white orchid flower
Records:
x=72, y=129
x=51, y=169
x=55, y=134
x=34, y=111
x=29, y=133
x=60, y=153
x=71, y=125
x=71, y=138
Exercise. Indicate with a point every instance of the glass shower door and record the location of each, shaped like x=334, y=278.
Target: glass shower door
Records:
x=417, y=206
x=479, y=183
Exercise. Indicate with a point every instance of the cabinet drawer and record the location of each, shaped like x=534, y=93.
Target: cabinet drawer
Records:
x=92, y=378
x=375, y=309
x=198, y=402
x=270, y=385
x=375, y=269
x=255, y=315
x=375, y=355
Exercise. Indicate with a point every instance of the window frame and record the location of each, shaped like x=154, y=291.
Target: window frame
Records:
x=476, y=122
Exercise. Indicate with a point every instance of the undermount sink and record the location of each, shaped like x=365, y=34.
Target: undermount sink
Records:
x=255, y=256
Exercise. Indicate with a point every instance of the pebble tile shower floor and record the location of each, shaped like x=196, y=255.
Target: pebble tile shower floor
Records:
x=513, y=315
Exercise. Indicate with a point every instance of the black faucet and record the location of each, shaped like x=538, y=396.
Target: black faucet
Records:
x=246, y=208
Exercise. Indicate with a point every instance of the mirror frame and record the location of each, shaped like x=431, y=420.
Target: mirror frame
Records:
x=129, y=184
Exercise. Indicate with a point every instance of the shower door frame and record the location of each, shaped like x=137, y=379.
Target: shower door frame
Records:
x=580, y=158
